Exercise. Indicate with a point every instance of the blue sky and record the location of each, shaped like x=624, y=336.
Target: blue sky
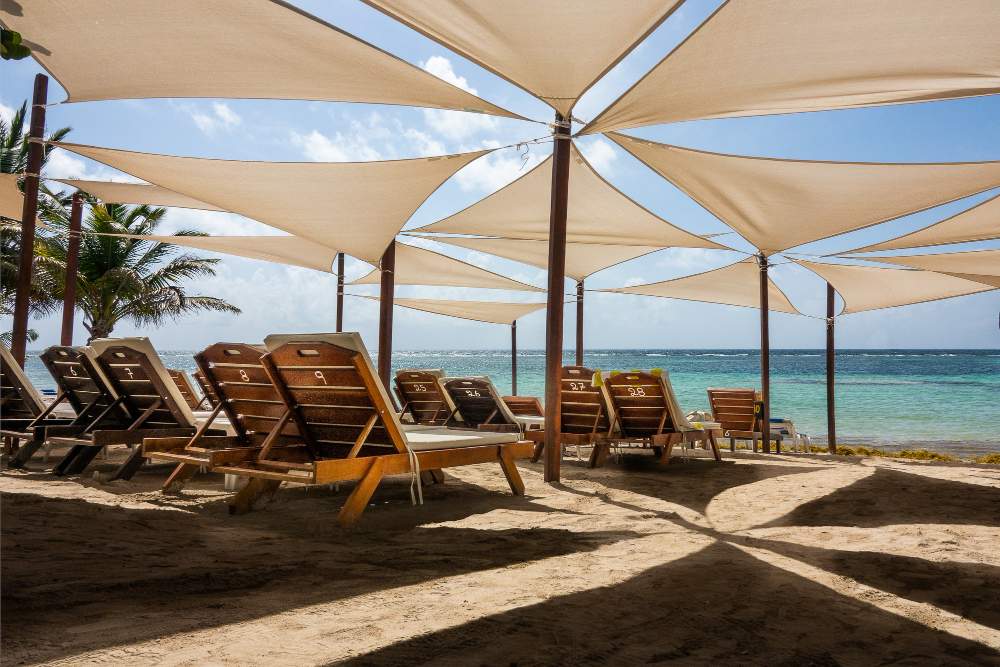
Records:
x=278, y=298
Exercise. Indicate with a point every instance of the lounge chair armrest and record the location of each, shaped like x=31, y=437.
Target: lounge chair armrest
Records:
x=123, y=437
x=164, y=444
x=67, y=430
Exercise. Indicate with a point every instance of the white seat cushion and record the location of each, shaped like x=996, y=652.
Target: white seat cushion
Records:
x=530, y=423
x=451, y=438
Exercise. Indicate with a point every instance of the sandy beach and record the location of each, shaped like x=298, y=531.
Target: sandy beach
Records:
x=779, y=560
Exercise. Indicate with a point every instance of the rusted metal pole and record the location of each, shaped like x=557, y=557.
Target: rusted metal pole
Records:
x=388, y=267
x=831, y=410
x=25, y=267
x=765, y=358
x=340, y=292
x=555, y=305
x=513, y=358
x=579, y=323
x=72, y=261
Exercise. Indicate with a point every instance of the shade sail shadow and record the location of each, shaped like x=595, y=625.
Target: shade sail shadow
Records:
x=76, y=575
x=966, y=589
x=888, y=497
x=692, y=483
x=716, y=606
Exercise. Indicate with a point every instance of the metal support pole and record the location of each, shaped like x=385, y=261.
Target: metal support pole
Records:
x=72, y=261
x=831, y=410
x=340, y=292
x=579, y=323
x=513, y=358
x=388, y=267
x=765, y=358
x=29, y=212
x=555, y=305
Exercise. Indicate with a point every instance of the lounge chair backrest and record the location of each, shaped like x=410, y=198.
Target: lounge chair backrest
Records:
x=185, y=387
x=478, y=402
x=421, y=395
x=20, y=399
x=234, y=374
x=86, y=389
x=136, y=373
x=645, y=404
x=733, y=409
x=585, y=407
x=339, y=404
x=524, y=406
x=206, y=388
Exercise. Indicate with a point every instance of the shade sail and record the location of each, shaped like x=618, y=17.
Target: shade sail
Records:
x=355, y=206
x=778, y=204
x=419, y=266
x=111, y=192
x=290, y=250
x=733, y=285
x=871, y=288
x=598, y=213
x=780, y=56
x=582, y=259
x=979, y=223
x=260, y=49
x=11, y=197
x=495, y=312
x=980, y=265
x=554, y=49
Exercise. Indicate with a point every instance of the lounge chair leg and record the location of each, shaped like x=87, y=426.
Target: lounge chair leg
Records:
x=77, y=459
x=127, y=469
x=24, y=453
x=428, y=477
x=715, y=446
x=664, y=452
x=182, y=473
x=244, y=501
x=537, y=453
x=510, y=471
x=599, y=454
x=755, y=444
x=362, y=493
x=732, y=445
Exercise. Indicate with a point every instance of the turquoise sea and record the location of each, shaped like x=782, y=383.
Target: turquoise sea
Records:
x=947, y=400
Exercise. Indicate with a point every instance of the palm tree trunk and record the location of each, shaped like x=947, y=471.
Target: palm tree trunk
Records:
x=99, y=330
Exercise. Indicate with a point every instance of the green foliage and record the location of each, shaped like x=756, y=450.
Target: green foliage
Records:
x=989, y=458
x=11, y=47
x=135, y=280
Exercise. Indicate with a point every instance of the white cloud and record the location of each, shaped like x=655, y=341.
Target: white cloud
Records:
x=62, y=164
x=221, y=117
x=492, y=172
x=6, y=112
x=456, y=125
x=600, y=155
x=318, y=147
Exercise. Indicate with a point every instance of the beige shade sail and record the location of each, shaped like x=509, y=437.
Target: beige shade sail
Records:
x=871, y=287
x=136, y=193
x=598, y=212
x=733, y=285
x=979, y=265
x=756, y=57
x=419, y=266
x=258, y=49
x=290, y=250
x=777, y=204
x=11, y=197
x=979, y=223
x=553, y=49
x=495, y=312
x=582, y=259
x=357, y=207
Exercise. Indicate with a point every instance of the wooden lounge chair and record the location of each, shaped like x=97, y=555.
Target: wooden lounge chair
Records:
x=185, y=388
x=87, y=391
x=142, y=386
x=234, y=373
x=207, y=392
x=348, y=429
x=646, y=413
x=23, y=413
x=524, y=406
x=585, y=416
x=480, y=406
x=735, y=409
x=422, y=397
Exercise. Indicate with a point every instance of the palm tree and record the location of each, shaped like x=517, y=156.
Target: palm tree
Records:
x=135, y=280
x=14, y=160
